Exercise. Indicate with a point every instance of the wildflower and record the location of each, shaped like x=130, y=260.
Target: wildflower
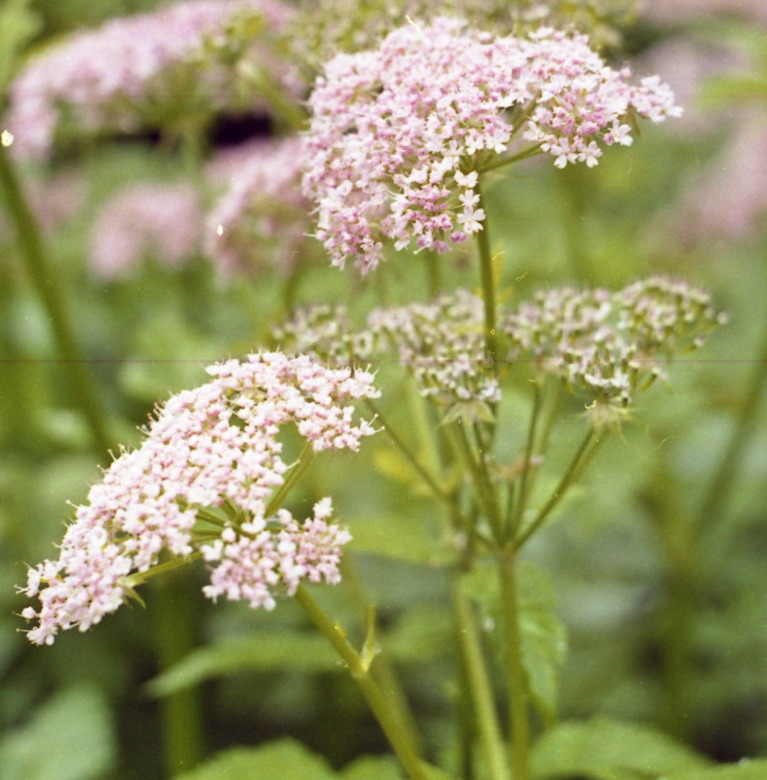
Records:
x=147, y=69
x=261, y=221
x=397, y=132
x=161, y=221
x=202, y=482
x=606, y=345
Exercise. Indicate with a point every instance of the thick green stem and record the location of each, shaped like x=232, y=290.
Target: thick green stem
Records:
x=51, y=292
x=516, y=678
x=580, y=459
x=479, y=685
x=399, y=738
x=729, y=465
x=488, y=286
x=173, y=617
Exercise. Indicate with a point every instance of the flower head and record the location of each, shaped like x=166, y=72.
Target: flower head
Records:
x=399, y=133
x=215, y=449
x=605, y=345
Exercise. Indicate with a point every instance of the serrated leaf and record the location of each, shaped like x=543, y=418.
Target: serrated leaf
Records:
x=394, y=536
x=261, y=652
x=747, y=769
x=284, y=758
x=603, y=749
x=70, y=738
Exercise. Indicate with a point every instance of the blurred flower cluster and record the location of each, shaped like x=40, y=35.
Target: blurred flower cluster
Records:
x=172, y=67
x=262, y=220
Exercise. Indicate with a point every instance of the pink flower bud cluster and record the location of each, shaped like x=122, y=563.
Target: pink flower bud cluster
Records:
x=148, y=220
x=214, y=447
x=138, y=70
x=608, y=345
x=262, y=220
x=399, y=134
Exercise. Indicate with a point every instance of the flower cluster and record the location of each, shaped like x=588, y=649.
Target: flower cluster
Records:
x=399, y=134
x=161, y=221
x=145, y=69
x=261, y=221
x=212, y=457
x=607, y=345
x=440, y=343
x=443, y=345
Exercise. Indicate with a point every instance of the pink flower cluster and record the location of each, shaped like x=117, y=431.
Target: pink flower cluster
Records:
x=262, y=220
x=399, y=134
x=158, y=221
x=214, y=448
x=134, y=70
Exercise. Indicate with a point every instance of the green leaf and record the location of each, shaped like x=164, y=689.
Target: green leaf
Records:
x=544, y=637
x=746, y=769
x=373, y=768
x=608, y=750
x=263, y=652
x=284, y=758
x=394, y=536
x=69, y=738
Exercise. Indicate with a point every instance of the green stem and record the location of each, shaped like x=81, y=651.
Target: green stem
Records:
x=488, y=286
x=525, y=154
x=433, y=273
x=51, y=293
x=382, y=670
x=521, y=504
x=581, y=457
x=516, y=677
x=480, y=480
x=173, y=619
x=299, y=469
x=411, y=458
x=729, y=465
x=399, y=738
x=479, y=686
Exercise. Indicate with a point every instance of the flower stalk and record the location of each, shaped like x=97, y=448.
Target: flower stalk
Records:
x=51, y=294
x=399, y=738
